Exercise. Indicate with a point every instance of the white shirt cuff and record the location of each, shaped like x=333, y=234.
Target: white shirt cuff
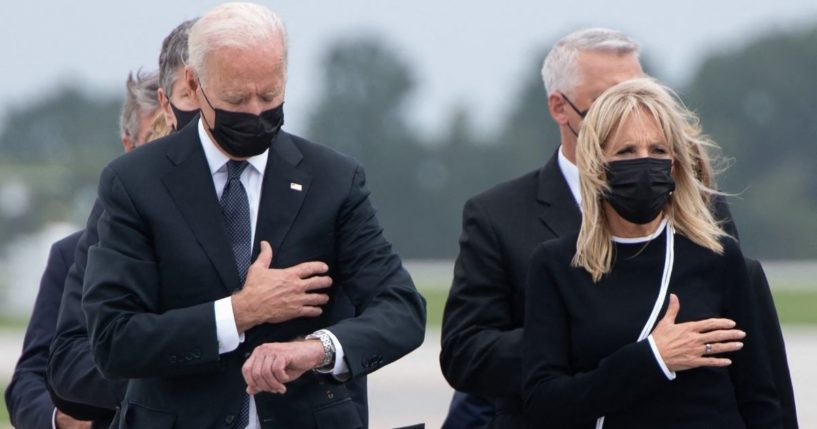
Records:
x=669, y=374
x=226, y=331
x=54, y=419
x=340, y=371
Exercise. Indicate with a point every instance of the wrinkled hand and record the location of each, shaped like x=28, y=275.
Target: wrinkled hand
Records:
x=272, y=365
x=276, y=295
x=64, y=421
x=683, y=345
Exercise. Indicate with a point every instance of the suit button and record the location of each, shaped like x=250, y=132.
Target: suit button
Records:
x=229, y=420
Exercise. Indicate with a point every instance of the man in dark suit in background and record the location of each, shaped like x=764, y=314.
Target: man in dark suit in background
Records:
x=484, y=314
x=27, y=397
x=173, y=300
x=72, y=373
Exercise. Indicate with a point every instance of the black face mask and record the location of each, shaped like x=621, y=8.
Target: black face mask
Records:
x=183, y=117
x=639, y=188
x=243, y=135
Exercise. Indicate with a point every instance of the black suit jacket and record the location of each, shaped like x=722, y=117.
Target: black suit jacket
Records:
x=72, y=375
x=468, y=412
x=583, y=361
x=163, y=258
x=776, y=350
x=484, y=314
x=482, y=323
x=27, y=396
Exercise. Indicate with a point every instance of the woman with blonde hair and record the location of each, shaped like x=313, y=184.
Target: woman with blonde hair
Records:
x=598, y=353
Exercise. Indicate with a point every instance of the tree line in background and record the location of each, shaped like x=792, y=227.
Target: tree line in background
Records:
x=759, y=102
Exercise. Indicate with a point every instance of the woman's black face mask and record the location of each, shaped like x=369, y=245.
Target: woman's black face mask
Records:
x=639, y=188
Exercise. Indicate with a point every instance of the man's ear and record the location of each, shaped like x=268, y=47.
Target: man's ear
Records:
x=557, y=108
x=164, y=105
x=191, y=79
x=127, y=143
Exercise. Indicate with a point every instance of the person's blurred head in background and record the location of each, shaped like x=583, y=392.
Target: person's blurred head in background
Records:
x=178, y=107
x=139, y=108
x=578, y=68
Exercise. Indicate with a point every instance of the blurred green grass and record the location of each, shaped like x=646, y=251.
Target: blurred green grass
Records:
x=435, y=303
x=796, y=307
x=4, y=413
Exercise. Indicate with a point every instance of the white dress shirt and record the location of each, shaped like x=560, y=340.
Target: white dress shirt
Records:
x=571, y=175
x=252, y=178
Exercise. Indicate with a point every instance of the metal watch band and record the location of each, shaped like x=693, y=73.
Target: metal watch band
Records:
x=328, y=348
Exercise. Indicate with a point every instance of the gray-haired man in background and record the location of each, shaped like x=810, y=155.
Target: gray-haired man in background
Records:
x=140, y=107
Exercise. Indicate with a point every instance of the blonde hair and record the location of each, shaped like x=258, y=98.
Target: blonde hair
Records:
x=687, y=209
x=158, y=127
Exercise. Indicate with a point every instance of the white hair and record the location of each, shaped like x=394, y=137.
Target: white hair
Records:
x=141, y=98
x=560, y=71
x=234, y=25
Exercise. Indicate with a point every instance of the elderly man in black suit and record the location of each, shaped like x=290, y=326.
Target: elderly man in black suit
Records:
x=241, y=277
x=484, y=314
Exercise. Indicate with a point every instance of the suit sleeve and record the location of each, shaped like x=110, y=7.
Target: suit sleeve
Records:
x=481, y=342
x=555, y=395
x=130, y=335
x=27, y=398
x=390, y=319
x=755, y=389
x=774, y=337
x=71, y=371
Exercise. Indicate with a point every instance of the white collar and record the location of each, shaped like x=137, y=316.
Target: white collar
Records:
x=216, y=159
x=656, y=233
x=571, y=175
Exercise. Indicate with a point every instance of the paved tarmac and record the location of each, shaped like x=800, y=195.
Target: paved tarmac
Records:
x=413, y=390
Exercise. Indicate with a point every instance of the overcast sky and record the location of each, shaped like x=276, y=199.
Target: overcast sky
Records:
x=463, y=51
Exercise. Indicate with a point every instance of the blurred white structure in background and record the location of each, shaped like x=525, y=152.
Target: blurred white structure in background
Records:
x=21, y=268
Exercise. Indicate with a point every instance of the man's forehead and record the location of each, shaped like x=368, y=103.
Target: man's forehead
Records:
x=600, y=70
x=236, y=67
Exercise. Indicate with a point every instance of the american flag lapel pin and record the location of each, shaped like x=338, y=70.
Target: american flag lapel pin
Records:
x=296, y=186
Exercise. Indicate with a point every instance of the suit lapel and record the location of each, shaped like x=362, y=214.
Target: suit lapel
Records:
x=282, y=194
x=558, y=209
x=191, y=186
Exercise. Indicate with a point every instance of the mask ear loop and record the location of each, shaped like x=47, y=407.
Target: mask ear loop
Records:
x=201, y=87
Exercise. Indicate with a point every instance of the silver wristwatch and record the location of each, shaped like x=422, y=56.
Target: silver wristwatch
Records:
x=328, y=348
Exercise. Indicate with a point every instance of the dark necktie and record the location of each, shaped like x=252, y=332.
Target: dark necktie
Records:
x=236, y=208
